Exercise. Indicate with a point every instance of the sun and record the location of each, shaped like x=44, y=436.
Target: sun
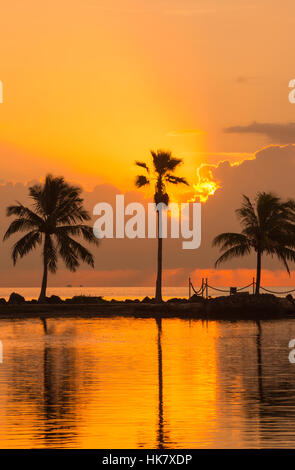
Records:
x=206, y=186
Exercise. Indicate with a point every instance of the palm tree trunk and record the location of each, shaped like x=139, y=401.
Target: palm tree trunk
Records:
x=159, y=260
x=258, y=272
x=42, y=295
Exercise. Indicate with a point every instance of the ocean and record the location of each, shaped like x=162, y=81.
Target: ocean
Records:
x=120, y=293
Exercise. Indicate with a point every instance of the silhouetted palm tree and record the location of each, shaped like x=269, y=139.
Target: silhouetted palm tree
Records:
x=57, y=214
x=163, y=167
x=268, y=227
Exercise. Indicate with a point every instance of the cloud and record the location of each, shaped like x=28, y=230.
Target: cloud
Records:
x=217, y=157
x=185, y=132
x=282, y=133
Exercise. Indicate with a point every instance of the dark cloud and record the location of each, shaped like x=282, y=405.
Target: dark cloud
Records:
x=281, y=133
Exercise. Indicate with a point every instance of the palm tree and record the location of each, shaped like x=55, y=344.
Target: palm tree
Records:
x=163, y=167
x=268, y=227
x=57, y=214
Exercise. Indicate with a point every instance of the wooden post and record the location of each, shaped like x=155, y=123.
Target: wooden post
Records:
x=202, y=287
x=206, y=287
x=189, y=287
x=253, y=285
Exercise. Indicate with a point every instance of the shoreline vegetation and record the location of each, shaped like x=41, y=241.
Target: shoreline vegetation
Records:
x=233, y=307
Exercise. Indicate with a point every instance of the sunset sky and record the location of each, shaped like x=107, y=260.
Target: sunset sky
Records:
x=90, y=86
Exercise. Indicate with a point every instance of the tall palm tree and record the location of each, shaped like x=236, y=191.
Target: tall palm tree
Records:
x=57, y=213
x=163, y=167
x=268, y=227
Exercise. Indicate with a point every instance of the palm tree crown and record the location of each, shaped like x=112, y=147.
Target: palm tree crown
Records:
x=56, y=216
x=163, y=167
x=267, y=227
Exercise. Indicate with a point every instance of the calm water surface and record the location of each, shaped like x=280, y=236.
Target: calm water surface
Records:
x=133, y=383
x=121, y=293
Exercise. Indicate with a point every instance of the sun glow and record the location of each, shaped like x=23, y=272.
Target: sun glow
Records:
x=206, y=185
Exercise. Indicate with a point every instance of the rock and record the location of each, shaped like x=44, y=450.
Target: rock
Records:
x=196, y=298
x=177, y=300
x=85, y=299
x=16, y=299
x=54, y=299
x=2, y=301
x=149, y=300
x=250, y=306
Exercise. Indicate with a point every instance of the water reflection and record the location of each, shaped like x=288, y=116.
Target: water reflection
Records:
x=259, y=361
x=160, y=381
x=125, y=383
x=58, y=390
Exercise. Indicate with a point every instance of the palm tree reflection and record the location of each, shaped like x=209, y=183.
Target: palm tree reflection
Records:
x=259, y=361
x=160, y=382
x=59, y=394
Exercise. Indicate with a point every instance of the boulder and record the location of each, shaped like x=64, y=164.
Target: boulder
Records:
x=86, y=299
x=263, y=305
x=54, y=299
x=16, y=299
x=196, y=299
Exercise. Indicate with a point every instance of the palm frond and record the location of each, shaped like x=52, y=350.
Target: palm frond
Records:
x=175, y=179
x=143, y=165
x=19, y=225
x=285, y=254
x=51, y=253
x=24, y=212
x=246, y=213
x=25, y=245
x=141, y=180
x=86, y=231
x=173, y=163
x=71, y=251
x=229, y=239
x=234, y=252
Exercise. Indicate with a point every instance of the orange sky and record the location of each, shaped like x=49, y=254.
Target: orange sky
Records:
x=90, y=86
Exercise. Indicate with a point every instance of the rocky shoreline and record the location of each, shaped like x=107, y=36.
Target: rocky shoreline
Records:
x=234, y=307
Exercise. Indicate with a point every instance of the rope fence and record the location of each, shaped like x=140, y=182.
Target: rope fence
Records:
x=231, y=290
x=277, y=292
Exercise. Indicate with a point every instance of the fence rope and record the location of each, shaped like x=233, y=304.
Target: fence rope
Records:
x=277, y=292
x=245, y=287
x=252, y=284
x=200, y=291
x=216, y=288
